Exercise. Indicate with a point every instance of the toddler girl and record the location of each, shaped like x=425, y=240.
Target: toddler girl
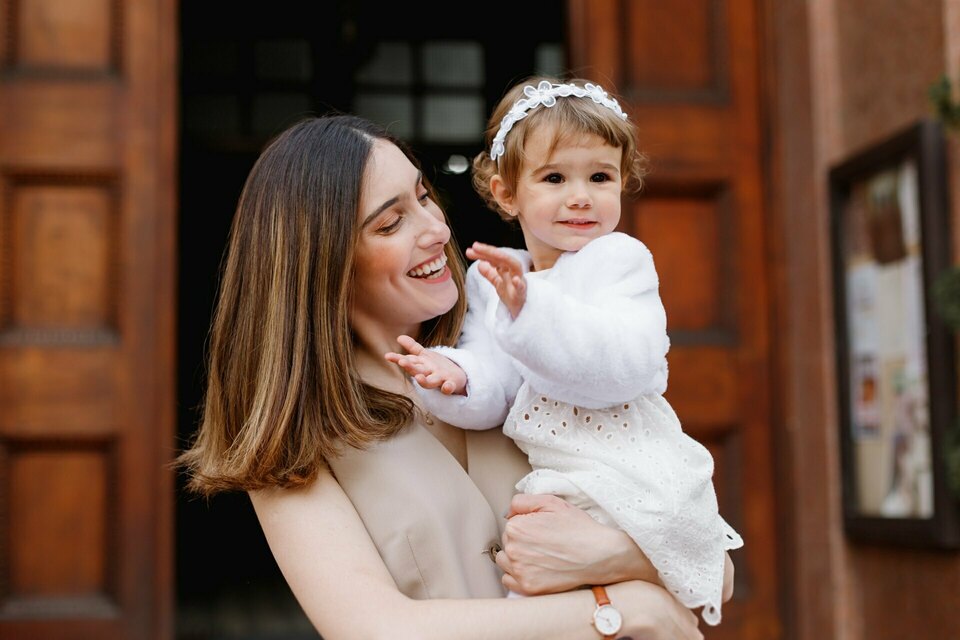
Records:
x=565, y=343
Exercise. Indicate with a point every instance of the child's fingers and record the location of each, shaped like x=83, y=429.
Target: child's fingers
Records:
x=483, y=250
x=448, y=387
x=412, y=346
x=408, y=366
x=495, y=255
x=431, y=381
x=491, y=274
x=504, y=264
x=413, y=365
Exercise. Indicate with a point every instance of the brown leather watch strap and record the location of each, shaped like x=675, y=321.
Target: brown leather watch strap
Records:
x=601, y=595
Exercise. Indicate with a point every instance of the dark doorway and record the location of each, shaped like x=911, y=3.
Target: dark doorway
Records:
x=431, y=72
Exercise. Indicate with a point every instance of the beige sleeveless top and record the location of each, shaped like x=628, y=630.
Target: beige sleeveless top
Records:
x=433, y=522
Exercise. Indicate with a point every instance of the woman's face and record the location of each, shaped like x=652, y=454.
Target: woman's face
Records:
x=401, y=277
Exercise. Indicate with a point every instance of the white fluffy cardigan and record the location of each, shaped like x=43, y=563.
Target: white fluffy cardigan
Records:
x=591, y=333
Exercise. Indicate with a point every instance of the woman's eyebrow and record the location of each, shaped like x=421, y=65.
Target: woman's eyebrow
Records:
x=389, y=203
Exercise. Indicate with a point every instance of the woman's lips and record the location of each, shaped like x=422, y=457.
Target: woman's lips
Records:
x=431, y=269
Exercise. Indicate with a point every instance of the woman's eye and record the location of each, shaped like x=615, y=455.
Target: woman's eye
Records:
x=390, y=226
x=424, y=196
x=554, y=178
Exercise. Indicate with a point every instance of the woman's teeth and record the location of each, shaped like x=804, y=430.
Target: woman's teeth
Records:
x=430, y=270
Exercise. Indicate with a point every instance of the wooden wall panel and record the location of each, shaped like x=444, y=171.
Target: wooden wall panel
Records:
x=672, y=45
x=64, y=34
x=62, y=257
x=60, y=379
x=683, y=231
x=87, y=308
x=58, y=125
x=59, y=527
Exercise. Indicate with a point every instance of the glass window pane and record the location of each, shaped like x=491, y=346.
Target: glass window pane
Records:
x=452, y=118
x=391, y=64
x=453, y=64
x=212, y=115
x=272, y=112
x=395, y=112
x=550, y=59
x=216, y=58
x=283, y=60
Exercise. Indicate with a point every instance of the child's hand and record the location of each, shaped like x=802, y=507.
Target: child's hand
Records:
x=430, y=369
x=503, y=272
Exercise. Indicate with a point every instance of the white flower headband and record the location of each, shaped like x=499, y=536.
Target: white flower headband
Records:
x=546, y=94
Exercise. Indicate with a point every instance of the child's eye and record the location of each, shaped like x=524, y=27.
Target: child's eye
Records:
x=600, y=177
x=553, y=178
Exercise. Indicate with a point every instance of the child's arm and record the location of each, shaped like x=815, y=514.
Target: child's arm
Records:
x=491, y=380
x=594, y=332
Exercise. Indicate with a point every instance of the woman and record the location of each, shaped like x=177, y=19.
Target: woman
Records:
x=384, y=520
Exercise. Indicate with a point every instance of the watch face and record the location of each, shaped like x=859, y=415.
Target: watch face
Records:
x=607, y=620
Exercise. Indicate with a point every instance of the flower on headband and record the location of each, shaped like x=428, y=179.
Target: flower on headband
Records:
x=546, y=94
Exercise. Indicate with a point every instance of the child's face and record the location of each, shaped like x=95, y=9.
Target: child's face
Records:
x=566, y=199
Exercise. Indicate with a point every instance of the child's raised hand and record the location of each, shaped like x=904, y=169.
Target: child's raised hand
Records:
x=430, y=369
x=503, y=272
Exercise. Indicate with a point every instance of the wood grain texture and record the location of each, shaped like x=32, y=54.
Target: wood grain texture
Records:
x=87, y=308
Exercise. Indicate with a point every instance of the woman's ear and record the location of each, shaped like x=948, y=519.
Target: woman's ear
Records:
x=502, y=194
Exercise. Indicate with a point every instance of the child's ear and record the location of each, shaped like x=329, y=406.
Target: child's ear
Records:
x=502, y=194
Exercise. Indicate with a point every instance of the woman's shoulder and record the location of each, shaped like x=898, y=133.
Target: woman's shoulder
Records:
x=323, y=488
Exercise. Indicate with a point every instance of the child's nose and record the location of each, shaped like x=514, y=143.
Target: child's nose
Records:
x=579, y=198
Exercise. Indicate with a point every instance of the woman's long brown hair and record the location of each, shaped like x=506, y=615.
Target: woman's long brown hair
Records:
x=283, y=394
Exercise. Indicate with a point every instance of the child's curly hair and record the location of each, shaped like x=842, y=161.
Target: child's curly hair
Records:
x=570, y=116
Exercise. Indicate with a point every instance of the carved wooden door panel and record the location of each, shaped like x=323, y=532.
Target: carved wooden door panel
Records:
x=87, y=193
x=689, y=73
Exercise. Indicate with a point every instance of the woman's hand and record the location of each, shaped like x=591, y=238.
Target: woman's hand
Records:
x=550, y=546
x=651, y=613
x=503, y=272
x=430, y=369
x=727, y=578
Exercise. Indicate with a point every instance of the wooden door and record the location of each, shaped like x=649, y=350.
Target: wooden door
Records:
x=689, y=72
x=87, y=193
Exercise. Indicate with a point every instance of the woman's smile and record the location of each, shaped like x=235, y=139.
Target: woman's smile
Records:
x=433, y=270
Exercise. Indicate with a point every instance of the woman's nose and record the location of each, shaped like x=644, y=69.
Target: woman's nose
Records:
x=434, y=231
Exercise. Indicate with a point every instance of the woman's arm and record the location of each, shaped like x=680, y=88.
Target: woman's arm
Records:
x=551, y=546
x=334, y=570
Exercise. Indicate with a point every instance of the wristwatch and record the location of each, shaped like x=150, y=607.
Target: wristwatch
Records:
x=606, y=618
